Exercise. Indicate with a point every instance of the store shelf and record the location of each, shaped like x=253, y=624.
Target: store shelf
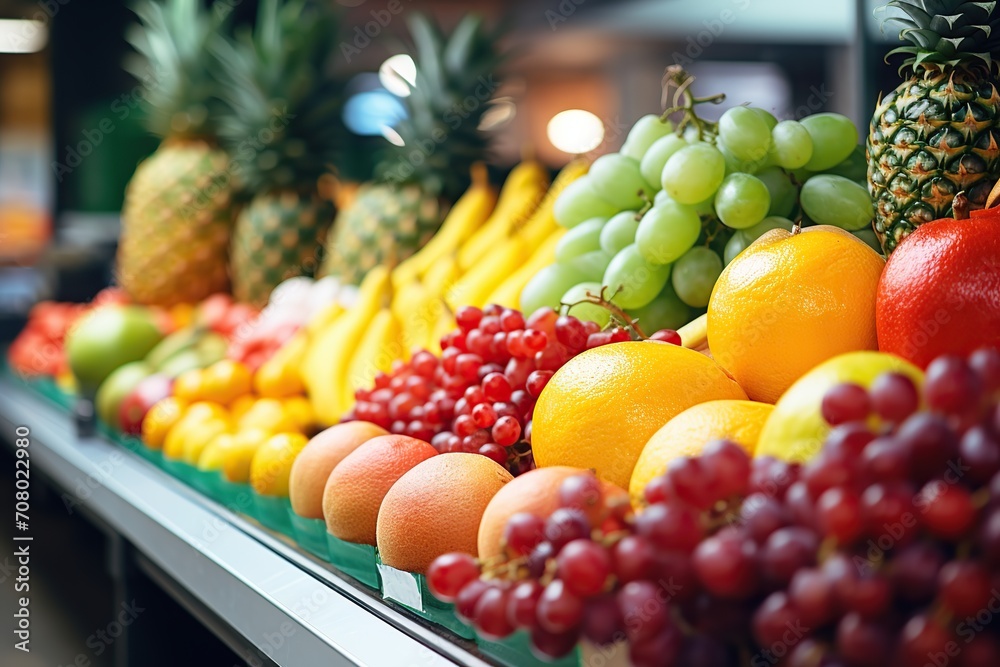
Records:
x=277, y=599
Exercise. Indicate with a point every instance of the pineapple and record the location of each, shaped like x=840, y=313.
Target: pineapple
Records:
x=178, y=205
x=937, y=134
x=281, y=124
x=428, y=169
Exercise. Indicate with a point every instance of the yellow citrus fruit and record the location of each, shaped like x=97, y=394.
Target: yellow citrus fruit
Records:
x=199, y=435
x=278, y=379
x=159, y=420
x=790, y=302
x=239, y=455
x=194, y=416
x=268, y=414
x=225, y=381
x=214, y=454
x=300, y=410
x=689, y=432
x=272, y=463
x=205, y=410
x=600, y=409
x=796, y=429
x=241, y=405
x=189, y=385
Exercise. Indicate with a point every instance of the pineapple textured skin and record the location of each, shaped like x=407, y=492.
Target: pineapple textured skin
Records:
x=176, y=224
x=277, y=236
x=934, y=136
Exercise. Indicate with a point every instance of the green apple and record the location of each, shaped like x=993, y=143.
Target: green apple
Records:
x=106, y=338
x=116, y=387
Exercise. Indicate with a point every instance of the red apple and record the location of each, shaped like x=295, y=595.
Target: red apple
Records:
x=212, y=311
x=147, y=393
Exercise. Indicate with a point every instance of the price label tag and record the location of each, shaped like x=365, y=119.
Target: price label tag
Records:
x=400, y=586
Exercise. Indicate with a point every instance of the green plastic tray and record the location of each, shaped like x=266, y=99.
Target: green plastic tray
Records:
x=272, y=511
x=310, y=534
x=179, y=469
x=235, y=497
x=359, y=561
x=203, y=480
x=411, y=591
x=515, y=651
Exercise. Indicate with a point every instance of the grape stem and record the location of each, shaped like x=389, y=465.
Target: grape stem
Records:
x=614, y=309
x=683, y=101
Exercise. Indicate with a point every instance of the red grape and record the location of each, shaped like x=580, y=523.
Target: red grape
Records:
x=986, y=364
x=565, y=525
x=468, y=317
x=894, y=397
x=667, y=336
x=644, y=610
x=523, y=532
x=584, y=566
x=536, y=382
x=602, y=620
x=559, y=610
x=490, y=614
x=571, y=332
x=670, y=526
x=511, y=320
x=495, y=452
x=634, y=559
x=522, y=603
x=950, y=385
x=965, y=586
x=506, y=431
x=773, y=618
x=725, y=564
x=838, y=514
x=948, y=511
x=450, y=573
x=844, y=403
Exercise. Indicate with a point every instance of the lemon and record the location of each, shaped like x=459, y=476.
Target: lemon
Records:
x=198, y=437
x=299, y=409
x=214, y=454
x=689, y=432
x=225, y=381
x=239, y=454
x=272, y=463
x=268, y=414
x=160, y=419
x=796, y=429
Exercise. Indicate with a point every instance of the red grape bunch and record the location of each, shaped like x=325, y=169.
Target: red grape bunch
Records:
x=881, y=551
x=479, y=395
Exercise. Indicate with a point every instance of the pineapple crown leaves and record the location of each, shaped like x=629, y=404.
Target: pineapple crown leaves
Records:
x=950, y=33
x=281, y=114
x=452, y=92
x=173, y=62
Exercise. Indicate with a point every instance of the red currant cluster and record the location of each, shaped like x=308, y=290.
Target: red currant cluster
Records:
x=479, y=395
x=882, y=550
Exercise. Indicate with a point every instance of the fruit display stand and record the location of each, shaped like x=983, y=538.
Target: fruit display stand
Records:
x=249, y=581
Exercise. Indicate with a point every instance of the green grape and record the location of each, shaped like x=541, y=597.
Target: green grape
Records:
x=548, y=285
x=616, y=179
x=646, y=131
x=693, y=173
x=585, y=237
x=692, y=136
x=706, y=207
x=586, y=311
x=783, y=192
x=619, y=232
x=855, y=167
x=694, y=276
x=791, y=144
x=745, y=133
x=666, y=311
x=835, y=200
x=833, y=136
x=578, y=202
x=869, y=236
x=766, y=225
x=666, y=232
x=736, y=244
x=766, y=115
x=634, y=281
x=591, y=265
x=742, y=201
x=735, y=165
x=652, y=162
x=661, y=196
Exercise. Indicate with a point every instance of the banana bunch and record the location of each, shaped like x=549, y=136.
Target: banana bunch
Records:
x=500, y=260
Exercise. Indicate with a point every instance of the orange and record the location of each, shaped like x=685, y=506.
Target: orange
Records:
x=689, y=432
x=535, y=492
x=188, y=385
x=160, y=419
x=599, y=410
x=356, y=487
x=225, y=381
x=436, y=508
x=790, y=302
x=940, y=291
x=315, y=463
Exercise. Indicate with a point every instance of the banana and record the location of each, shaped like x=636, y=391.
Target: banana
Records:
x=473, y=288
x=323, y=318
x=440, y=277
x=325, y=365
x=519, y=197
x=694, y=334
x=280, y=376
x=543, y=221
x=416, y=309
x=445, y=323
x=467, y=215
x=508, y=293
x=376, y=351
